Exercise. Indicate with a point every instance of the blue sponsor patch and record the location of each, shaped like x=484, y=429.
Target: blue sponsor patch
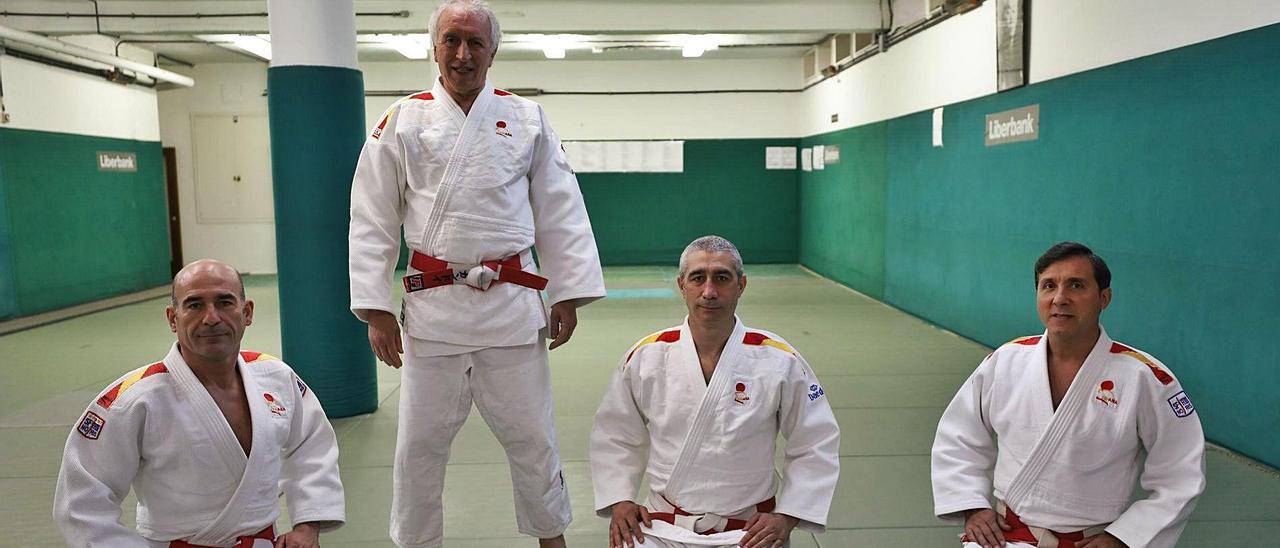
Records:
x=1181, y=405
x=815, y=392
x=302, y=387
x=91, y=425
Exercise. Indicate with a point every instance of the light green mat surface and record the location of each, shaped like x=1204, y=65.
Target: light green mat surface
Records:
x=888, y=375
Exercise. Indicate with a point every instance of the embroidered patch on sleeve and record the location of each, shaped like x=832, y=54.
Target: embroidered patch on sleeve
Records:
x=1181, y=405
x=302, y=386
x=815, y=392
x=91, y=425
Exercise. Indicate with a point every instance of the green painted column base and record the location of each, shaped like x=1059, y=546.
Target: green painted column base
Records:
x=317, y=129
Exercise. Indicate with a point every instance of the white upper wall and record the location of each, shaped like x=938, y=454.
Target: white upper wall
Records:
x=44, y=98
x=955, y=60
x=632, y=116
x=1079, y=35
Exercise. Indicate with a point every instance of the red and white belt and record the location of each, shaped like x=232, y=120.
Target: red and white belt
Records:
x=268, y=534
x=705, y=524
x=433, y=272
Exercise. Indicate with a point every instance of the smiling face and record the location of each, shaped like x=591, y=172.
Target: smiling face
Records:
x=711, y=286
x=1068, y=299
x=464, y=51
x=209, y=313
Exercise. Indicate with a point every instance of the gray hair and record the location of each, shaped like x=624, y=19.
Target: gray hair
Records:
x=469, y=6
x=711, y=244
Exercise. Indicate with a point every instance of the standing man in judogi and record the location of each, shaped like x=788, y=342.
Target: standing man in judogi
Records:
x=207, y=438
x=475, y=177
x=1064, y=421
x=702, y=404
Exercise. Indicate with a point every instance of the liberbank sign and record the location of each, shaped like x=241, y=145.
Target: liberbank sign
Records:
x=117, y=161
x=1011, y=126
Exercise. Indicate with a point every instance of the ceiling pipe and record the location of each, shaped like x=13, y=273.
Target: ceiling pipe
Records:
x=32, y=39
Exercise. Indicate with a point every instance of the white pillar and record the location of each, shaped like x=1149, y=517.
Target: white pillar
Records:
x=313, y=32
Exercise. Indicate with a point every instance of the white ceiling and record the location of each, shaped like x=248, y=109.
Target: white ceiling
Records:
x=615, y=29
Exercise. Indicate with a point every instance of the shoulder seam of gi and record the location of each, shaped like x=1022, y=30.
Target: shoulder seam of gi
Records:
x=755, y=338
x=1031, y=340
x=1161, y=375
x=110, y=397
x=251, y=356
x=665, y=336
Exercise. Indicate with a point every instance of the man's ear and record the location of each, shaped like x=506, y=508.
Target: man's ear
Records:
x=1106, y=298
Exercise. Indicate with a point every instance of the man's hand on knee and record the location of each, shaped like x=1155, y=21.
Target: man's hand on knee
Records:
x=766, y=530
x=384, y=337
x=625, y=524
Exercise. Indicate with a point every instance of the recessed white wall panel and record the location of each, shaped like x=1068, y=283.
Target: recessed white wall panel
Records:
x=233, y=88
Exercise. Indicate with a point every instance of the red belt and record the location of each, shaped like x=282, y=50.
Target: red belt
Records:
x=1021, y=532
x=732, y=525
x=241, y=542
x=436, y=272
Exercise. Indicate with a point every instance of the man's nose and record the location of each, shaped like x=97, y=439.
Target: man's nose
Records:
x=464, y=51
x=210, y=316
x=709, y=292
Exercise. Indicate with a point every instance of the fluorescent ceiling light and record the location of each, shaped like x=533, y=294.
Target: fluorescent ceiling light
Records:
x=695, y=46
x=412, y=46
x=259, y=45
x=554, y=46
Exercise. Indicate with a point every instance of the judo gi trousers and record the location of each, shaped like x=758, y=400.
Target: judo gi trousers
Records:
x=511, y=386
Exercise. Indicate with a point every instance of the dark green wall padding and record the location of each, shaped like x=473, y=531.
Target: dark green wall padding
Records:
x=69, y=233
x=1166, y=165
x=317, y=129
x=648, y=218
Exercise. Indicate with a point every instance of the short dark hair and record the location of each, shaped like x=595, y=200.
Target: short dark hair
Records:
x=1063, y=250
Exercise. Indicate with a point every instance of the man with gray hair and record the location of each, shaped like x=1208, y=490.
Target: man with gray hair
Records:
x=475, y=178
x=699, y=407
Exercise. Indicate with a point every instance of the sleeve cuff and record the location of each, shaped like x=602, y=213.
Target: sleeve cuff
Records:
x=361, y=310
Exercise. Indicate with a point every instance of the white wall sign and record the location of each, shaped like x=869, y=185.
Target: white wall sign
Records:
x=806, y=159
x=117, y=161
x=831, y=154
x=937, y=127
x=625, y=156
x=1011, y=126
x=818, y=157
x=779, y=157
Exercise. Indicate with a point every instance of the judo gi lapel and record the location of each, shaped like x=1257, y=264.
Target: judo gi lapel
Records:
x=229, y=452
x=1078, y=395
x=464, y=149
x=707, y=410
x=231, y=518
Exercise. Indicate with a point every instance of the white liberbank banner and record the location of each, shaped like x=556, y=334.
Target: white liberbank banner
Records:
x=1011, y=126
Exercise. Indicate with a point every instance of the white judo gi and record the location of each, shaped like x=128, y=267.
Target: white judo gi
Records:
x=158, y=430
x=709, y=447
x=1074, y=468
x=469, y=188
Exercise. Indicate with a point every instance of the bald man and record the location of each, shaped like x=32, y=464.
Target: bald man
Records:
x=206, y=438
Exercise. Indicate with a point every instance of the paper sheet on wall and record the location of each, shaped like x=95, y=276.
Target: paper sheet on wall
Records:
x=806, y=159
x=937, y=127
x=819, y=157
x=625, y=156
x=779, y=157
